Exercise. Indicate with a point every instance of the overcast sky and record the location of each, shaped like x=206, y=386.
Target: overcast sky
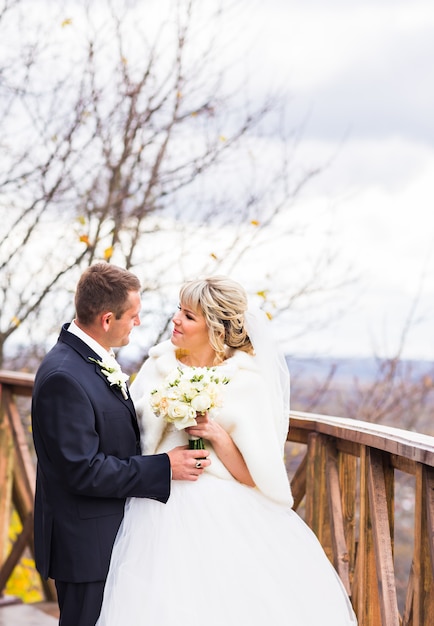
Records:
x=360, y=73
x=358, y=76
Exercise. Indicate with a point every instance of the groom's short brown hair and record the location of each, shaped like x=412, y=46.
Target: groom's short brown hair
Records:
x=104, y=287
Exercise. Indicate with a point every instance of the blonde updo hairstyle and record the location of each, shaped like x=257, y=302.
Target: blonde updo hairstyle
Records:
x=223, y=303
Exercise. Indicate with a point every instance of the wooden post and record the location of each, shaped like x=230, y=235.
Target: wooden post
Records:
x=367, y=601
x=317, y=515
x=348, y=482
x=298, y=483
x=381, y=505
x=6, y=457
x=340, y=550
x=22, y=490
x=423, y=567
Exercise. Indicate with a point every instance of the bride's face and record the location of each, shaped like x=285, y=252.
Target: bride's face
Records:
x=190, y=331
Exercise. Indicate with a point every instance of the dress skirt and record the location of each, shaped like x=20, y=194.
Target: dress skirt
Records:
x=222, y=554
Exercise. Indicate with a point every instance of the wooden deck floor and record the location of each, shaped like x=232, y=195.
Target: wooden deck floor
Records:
x=29, y=615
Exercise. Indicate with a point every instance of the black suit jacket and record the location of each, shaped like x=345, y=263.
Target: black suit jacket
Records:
x=87, y=443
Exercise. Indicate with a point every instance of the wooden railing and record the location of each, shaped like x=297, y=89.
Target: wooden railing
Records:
x=344, y=486
x=17, y=476
x=346, y=481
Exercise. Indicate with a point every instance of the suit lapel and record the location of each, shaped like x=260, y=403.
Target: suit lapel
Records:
x=85, y=352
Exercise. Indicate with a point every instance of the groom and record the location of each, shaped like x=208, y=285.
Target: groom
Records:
x=87, y=443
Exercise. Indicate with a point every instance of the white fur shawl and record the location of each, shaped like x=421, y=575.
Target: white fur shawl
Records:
x=244, y=414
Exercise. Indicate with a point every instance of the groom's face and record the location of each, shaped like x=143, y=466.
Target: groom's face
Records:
x=118, y=331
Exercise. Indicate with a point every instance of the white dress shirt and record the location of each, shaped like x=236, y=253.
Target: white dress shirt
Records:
x=89, y=341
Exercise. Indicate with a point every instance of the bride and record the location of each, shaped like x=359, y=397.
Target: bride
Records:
x=227, y=549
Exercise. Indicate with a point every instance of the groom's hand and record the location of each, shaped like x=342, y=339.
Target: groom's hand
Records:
x=185, y=463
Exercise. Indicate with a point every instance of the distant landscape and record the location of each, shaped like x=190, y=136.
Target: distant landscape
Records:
x=367, y=389
x=349, y=369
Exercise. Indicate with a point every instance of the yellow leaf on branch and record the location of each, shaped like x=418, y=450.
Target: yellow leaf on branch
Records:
x=24, y=582
x=108, y=253
x=84, y=239
x=66, y=22
x=262, y=294
x=254, y=222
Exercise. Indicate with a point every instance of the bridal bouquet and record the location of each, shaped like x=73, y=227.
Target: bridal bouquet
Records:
x=185, y=392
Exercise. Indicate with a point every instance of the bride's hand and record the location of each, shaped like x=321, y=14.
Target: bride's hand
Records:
x=206, y=428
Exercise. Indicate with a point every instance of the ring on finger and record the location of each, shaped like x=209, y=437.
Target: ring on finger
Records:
x=198, y=465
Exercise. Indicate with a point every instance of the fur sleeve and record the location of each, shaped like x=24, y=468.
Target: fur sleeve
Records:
x=160, y=362
x=248, y=419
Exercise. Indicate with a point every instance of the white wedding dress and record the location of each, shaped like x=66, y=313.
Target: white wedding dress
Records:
x=219, y=552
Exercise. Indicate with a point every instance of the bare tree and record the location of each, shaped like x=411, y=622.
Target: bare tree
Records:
x=126, y=143
x=402, y=392
x=393, y=391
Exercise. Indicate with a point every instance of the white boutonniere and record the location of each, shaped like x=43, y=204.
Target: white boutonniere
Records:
x=114, y=374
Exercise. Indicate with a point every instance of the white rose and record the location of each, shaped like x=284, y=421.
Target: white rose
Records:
x=186, y=390
x=202, y=402
x=207, y=376
x=173, y=394
x=177, y=410
x=159, y=404
x=181, y=414
x=155, y=399
x=173, y=377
